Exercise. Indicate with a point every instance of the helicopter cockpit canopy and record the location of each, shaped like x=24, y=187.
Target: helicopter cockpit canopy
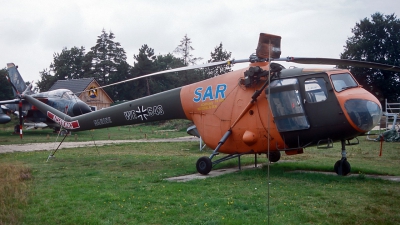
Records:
x=62, y=93
x=286, y=105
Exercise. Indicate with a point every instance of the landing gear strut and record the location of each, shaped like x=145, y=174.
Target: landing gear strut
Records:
x=342, y=167
x=16, y=129
x=204, y=164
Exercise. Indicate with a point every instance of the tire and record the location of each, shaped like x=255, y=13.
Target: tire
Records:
x=274, y=156
x=204, y=165
x=16, y=129
x=346, y=168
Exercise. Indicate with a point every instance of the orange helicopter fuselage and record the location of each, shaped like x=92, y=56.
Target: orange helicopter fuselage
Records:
x=222, y=103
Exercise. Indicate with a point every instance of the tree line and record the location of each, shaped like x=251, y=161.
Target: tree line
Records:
x=107, y=63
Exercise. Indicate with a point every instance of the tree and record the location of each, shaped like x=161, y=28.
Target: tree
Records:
x=121, y=91
x=185, y=49
x=376, y=40
x=170, y=80
x=69, y=63
x=5, y=91
x=46, y=80
x=106, y=55
x=219, y=55
x=106, y=62
x=143, y=65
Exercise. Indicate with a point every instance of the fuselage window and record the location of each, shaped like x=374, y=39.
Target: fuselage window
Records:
x=315, y=90
x=343, y=81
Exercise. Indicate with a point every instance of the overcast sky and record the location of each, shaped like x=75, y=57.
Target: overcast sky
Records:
x=32, y=31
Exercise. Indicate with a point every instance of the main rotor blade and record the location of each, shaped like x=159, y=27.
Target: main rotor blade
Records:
x=344, y=62
x=168, y=71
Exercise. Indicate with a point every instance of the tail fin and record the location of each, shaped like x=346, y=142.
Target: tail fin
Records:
x=16, y=79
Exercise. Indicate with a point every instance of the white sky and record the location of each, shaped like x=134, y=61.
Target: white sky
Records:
x=32, y=31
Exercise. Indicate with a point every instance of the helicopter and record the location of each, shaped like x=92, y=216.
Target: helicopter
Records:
x=261, y=109
x=61, y=99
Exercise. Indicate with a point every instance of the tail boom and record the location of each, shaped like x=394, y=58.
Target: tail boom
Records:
x=162, y=106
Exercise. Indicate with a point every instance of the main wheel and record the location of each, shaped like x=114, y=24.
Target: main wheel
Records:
x=274, y=156
x=346, y=168
x=63, y=132
x=16, y=129
x=204, y=165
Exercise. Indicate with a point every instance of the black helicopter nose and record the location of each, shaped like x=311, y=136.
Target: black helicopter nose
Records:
x=365, y=114
x=80, y=108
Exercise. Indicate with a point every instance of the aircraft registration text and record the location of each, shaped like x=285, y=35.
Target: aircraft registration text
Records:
x=143, y=113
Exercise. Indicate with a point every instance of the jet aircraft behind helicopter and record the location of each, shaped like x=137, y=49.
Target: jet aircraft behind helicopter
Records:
x=261, y=109
x=61, y=99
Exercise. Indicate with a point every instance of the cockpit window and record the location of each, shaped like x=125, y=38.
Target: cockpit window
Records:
x=67, y=95
x=55, y=94
x=315, y=90
x=343, y=81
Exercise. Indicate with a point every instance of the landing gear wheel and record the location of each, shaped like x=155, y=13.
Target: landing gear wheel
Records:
x=204, y=165
x=16, y=129
x=63, y=132
x=274, y=156
x=346, y=168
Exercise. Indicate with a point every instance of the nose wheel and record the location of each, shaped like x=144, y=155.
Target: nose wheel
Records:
x=342, y=167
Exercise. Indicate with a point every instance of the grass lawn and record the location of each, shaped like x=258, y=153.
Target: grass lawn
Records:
x=124, y=184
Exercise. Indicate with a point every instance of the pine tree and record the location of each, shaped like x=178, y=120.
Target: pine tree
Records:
x=143, y=65
x=185, y=49
x=219, y=55
x=106, y=56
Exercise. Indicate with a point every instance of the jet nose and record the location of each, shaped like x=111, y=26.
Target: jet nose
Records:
x=80, y=108
x=4, y=118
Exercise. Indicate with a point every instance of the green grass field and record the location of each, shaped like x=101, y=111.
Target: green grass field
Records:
x=124, y=184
